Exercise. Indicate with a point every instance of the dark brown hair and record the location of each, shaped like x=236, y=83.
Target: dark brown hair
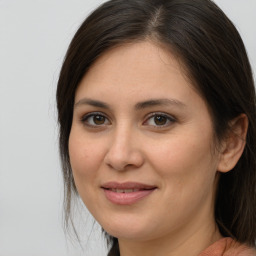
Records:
x=212, y=51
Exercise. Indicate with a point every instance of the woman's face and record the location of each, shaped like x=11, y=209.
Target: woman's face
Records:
x=141, y=145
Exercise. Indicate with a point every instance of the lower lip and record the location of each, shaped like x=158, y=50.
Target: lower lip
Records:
x=126, y=198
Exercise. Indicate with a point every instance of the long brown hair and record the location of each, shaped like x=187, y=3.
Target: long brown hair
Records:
x=212, y=51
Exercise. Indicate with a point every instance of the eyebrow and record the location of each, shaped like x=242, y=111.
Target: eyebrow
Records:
x=138, y=106
x=159, y=102
x=91, y=102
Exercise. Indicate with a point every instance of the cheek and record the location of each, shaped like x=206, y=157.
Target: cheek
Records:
x=85, y=158
x=187, y=174
x=185, y=162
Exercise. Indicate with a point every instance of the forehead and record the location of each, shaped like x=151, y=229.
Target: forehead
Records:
x=135, y=67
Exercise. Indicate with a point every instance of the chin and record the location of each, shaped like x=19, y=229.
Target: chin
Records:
x=128, y=234
x=128, y=229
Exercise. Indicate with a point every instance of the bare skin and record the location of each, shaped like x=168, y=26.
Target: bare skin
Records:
x=137, y=118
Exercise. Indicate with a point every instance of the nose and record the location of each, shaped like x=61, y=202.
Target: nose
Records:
x=124, y=151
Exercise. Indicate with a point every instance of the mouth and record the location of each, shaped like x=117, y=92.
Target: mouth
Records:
x=126, y=193
x=123, y=190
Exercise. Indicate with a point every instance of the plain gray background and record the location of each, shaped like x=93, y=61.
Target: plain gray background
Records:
x=34, y=36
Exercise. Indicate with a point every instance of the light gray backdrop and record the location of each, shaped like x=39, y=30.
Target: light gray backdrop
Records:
x=34, y=35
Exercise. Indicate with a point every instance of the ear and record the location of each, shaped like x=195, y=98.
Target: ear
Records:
x=233, y=145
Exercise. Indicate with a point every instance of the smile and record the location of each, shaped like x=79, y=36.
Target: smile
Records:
x=126, y=193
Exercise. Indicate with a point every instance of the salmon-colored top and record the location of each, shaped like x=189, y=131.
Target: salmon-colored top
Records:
x=228, y=247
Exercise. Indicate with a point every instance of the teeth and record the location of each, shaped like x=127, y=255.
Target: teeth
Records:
x=124, y=190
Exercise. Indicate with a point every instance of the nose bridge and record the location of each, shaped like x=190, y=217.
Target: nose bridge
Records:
x=123, y=149
x=122, y=138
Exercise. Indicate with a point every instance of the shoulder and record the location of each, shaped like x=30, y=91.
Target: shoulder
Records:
x=228, y=247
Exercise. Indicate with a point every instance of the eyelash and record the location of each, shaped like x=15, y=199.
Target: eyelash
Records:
x=86, y=117
x=169, y=119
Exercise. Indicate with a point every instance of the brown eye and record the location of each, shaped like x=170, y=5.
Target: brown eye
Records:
x=95, y=120
x=99, y=120
x=160, y=120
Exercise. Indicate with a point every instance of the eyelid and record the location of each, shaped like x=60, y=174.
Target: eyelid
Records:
x=85, y=117
x=170, y=118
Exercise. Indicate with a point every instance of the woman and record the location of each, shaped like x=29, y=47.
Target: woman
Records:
x=156, y=106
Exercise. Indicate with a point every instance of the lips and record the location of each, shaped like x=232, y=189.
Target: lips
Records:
x=126, y=193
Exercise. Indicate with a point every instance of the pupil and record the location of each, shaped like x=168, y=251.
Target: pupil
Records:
x=99, y=119
x=160, y=120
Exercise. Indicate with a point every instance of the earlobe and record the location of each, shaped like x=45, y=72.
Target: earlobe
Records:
x=233, y=146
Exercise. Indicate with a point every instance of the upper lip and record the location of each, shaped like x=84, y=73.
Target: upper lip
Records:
x=127, y=185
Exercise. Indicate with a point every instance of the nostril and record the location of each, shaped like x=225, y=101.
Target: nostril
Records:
x=123, y=155
x=122, y=166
